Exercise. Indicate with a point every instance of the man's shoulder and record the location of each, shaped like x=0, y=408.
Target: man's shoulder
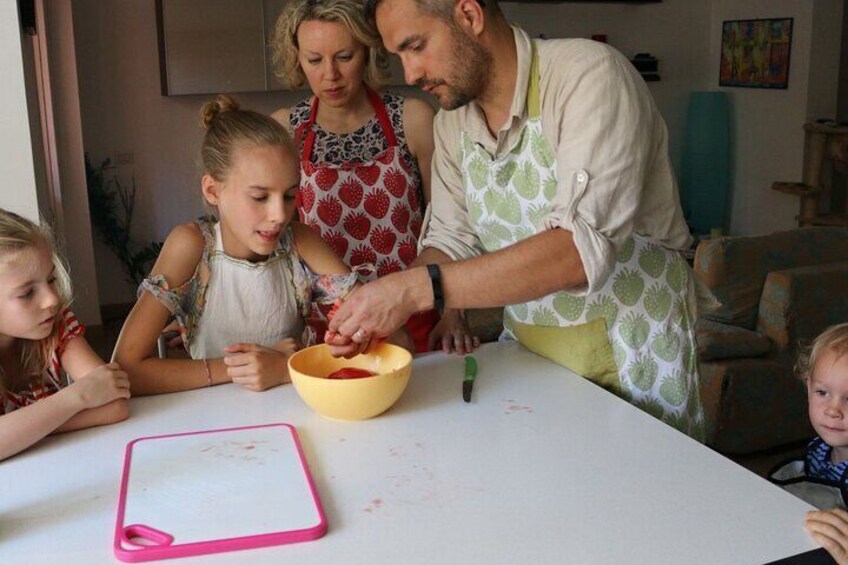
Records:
x=448, y=122
x=573, y=55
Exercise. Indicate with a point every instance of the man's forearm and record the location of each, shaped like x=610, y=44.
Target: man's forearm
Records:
x=533, y=268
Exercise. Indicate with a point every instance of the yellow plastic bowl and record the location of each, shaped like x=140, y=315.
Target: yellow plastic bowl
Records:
x=351, y=399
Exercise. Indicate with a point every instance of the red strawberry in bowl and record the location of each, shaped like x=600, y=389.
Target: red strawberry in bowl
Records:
x=357, y=225
x=325, y=178
x=395, y=182
x=408, y=250
x=351, y=192
x=329, y=210
x=369, y=174
x=400, y=217
x=362, y=254
x=383, y=240
x=337, y=241
x=377, y=203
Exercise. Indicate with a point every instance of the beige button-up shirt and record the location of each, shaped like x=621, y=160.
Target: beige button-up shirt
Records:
x=614, y=173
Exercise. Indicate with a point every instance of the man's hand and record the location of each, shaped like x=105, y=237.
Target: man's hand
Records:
x=379, y=308
x=256, y=367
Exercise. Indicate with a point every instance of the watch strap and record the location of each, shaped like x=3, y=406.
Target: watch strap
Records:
x=435, y=274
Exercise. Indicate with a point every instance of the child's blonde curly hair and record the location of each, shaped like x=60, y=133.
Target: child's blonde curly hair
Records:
x=834, y=338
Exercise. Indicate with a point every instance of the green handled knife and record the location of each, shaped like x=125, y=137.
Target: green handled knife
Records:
x=470, y=374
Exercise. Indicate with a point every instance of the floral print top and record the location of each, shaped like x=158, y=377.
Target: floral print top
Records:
x=187, y=302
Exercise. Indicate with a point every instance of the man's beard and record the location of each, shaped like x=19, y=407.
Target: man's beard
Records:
x=469, y=73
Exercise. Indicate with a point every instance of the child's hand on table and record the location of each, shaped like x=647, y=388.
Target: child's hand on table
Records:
x=830, y=530
x=258, y=368
x=101, y=386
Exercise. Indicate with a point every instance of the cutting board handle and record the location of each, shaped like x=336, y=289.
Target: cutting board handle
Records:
x=140, y=536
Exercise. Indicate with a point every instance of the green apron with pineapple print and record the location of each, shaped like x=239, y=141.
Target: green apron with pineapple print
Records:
x=634, y=336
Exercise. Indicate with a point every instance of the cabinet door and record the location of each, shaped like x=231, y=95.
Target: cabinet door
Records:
x=211, y=46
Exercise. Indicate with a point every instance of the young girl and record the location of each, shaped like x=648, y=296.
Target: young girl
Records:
x=39, y=340
x=240, y=286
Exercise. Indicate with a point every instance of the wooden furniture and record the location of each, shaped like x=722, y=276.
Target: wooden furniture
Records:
x=825, y=147
x=541, y=467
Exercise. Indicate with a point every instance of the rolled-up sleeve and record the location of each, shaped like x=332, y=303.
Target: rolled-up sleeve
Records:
x=601, y=120
x=447, y=226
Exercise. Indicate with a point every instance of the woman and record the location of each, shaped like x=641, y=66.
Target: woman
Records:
x=365, y=156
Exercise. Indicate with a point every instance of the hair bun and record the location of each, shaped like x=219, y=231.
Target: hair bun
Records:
x=211, y=110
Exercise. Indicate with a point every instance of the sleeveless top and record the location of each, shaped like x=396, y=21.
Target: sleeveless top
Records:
x=229, y=300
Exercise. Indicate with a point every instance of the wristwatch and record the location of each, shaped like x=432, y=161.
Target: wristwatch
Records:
x=436, y=280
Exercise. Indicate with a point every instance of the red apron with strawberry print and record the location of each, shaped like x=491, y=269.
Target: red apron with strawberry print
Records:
x=368, y=212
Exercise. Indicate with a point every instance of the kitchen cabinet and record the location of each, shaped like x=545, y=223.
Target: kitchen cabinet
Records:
x=211, y=46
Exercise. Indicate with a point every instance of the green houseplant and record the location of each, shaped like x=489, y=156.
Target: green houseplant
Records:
x=111, y=205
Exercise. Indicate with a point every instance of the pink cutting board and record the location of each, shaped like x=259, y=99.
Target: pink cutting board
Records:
x=214, y=491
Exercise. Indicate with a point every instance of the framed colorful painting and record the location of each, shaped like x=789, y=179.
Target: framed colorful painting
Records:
x=755, y=53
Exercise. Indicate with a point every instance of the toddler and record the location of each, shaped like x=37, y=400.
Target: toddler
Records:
x=50, y=378
x=825, y=372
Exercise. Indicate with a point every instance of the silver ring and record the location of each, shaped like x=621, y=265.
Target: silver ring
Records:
x=360, y=334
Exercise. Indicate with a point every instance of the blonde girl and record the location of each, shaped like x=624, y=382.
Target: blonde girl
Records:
x=50, y=378
x=240, y=285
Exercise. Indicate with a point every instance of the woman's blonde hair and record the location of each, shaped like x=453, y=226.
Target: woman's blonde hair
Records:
x=228, y=126
x=18, y=234
x=834, y=338
x=349, y=13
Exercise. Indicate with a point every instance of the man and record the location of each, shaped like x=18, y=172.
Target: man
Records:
x=552, y=194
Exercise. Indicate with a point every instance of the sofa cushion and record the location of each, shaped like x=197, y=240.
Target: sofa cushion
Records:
x=798, y=304
x=735, y=268
x=720, y=341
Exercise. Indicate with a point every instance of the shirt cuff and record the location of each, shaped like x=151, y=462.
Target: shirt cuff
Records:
x=456, y=245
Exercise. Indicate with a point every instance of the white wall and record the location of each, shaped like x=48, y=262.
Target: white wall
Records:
x=18, y=192
x=768, y=139
x=673, y=31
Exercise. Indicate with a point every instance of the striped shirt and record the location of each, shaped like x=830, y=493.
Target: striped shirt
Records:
x=51, y=380
x=818, y=462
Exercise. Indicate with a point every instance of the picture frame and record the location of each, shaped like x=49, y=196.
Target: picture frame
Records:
x=756, y=53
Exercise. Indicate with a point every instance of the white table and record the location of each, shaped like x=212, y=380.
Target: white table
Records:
x=541, y=467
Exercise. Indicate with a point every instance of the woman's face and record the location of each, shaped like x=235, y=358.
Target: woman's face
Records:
x=332, y=60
